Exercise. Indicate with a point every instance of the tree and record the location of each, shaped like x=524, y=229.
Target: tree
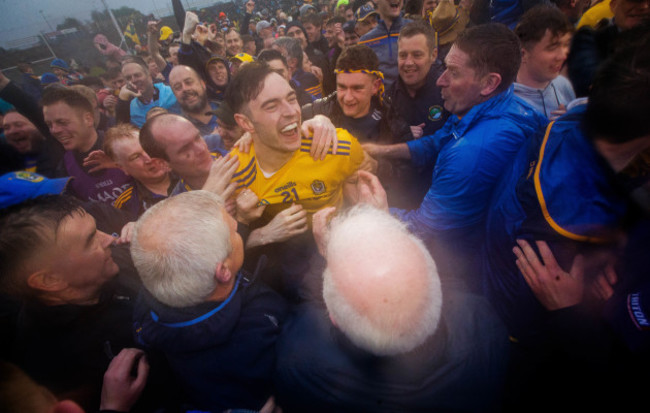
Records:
x=69, y=23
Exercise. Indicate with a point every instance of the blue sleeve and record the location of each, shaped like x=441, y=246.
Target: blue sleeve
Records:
x=424, y=150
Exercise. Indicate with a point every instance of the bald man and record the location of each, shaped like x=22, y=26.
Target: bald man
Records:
x=388, y=338
x=191, y=94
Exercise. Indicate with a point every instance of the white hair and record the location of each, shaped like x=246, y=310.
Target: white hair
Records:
x=393, y=328
x=177, y=245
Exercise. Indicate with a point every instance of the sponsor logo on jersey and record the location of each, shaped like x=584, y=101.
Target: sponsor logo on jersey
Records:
x=284, y=187
x=28, y=176
x=638, y=315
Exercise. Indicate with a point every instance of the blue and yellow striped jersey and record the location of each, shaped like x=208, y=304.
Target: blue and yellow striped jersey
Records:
x=302, y=180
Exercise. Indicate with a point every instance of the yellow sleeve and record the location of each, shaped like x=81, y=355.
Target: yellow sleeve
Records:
x=246, y=172
x=348, y=144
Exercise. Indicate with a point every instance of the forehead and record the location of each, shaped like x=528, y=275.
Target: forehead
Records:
x=553, y=37
x=275, y=86
x=419, y=42
x=353, y=79
x=60, y=110
x=75, y=229
x=276, y=64
x=132, y=68
x=174, y=130
x=457, y=58
x=181, y=73
x=232, y=35
x=126, y=145
x=15, y=117
x=295, y=30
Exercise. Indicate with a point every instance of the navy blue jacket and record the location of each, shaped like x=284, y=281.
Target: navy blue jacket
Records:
x=459, y=368
x=222, y=353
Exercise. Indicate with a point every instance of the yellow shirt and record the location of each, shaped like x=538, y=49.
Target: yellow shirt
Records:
x=302, y=180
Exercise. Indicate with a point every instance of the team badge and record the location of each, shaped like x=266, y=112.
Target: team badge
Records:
x=318, y=187
x=28, y=176
x=435, y=113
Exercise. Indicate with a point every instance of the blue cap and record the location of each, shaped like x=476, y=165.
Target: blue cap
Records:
x=48, y=78
x=365, y=11
x=60, y=63
x=19, y=186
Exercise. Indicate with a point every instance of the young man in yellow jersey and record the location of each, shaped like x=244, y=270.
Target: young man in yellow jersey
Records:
x=279, y=168
x=282, y=174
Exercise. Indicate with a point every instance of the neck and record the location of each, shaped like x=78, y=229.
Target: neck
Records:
x=413, y=89
x=200, y=115
x=196, y=182
x=147, y=95
x=526, y=79
x=271, y=160
x=388, y=20
x=90, y=142
x=157, y=185
x=72, y=298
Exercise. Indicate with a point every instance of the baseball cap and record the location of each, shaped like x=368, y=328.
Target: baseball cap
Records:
x=243, y=57
x=60, y=64
x=19, y=186
x=49, y=78
x=165, y=32
x=306, y=8
x=364, y=11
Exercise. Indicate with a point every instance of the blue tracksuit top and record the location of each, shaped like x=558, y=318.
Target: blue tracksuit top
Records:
x=470, y=154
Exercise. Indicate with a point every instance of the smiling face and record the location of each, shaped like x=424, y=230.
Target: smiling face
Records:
x=234, y=43
x=297, y=33
x=544, y=60
x=354, y=92
x=73, y=128
x=313, y=32
x=138, y=76
x=460, y=84
x=134, y=161
x=389, y=9
x=629, y=14
x=218, y=73
x=273, y=117
x=189, y=90
x=414, y=59
x=20, y=132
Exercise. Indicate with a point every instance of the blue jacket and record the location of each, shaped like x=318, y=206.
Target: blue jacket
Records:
x=222, y=353
x=383, y=41
x=557, y=189
x=470, y=154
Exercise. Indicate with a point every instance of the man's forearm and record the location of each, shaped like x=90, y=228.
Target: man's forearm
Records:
x=395, y=151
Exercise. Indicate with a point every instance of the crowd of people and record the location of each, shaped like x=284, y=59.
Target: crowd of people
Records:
x=367, y=206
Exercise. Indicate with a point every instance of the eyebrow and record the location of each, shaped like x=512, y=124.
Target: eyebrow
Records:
x=90, y=237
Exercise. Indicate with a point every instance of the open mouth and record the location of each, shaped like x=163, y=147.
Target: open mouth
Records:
x=290, y=129
x=395, y=5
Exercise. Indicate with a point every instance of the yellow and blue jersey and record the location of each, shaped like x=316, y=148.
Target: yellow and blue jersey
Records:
x=302, y=180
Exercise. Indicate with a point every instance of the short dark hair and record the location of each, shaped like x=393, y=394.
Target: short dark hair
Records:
x=312, y=18
x=70, y=97
x=357, y=57
x=247, y=84
x=420, y=27
x=92, y=81
x=24, y=230
x=492, y=48
x=413, y=7
x=268, y=55
x=534, y=23
x=245, y=38
x=619, y=101
x=336, y=19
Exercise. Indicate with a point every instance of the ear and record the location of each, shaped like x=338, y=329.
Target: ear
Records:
x=89, y=119
x=434, y=55
x=222, y=272
x=46, y=280
x=244, y=122
x=376, y=84
x=490, y=83
x=524, y=55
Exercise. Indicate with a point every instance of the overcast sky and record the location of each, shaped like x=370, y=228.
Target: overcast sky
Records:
x=23, y=18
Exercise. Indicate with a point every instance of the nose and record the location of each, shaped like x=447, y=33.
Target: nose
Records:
x=442, y=80
x=105, y=239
